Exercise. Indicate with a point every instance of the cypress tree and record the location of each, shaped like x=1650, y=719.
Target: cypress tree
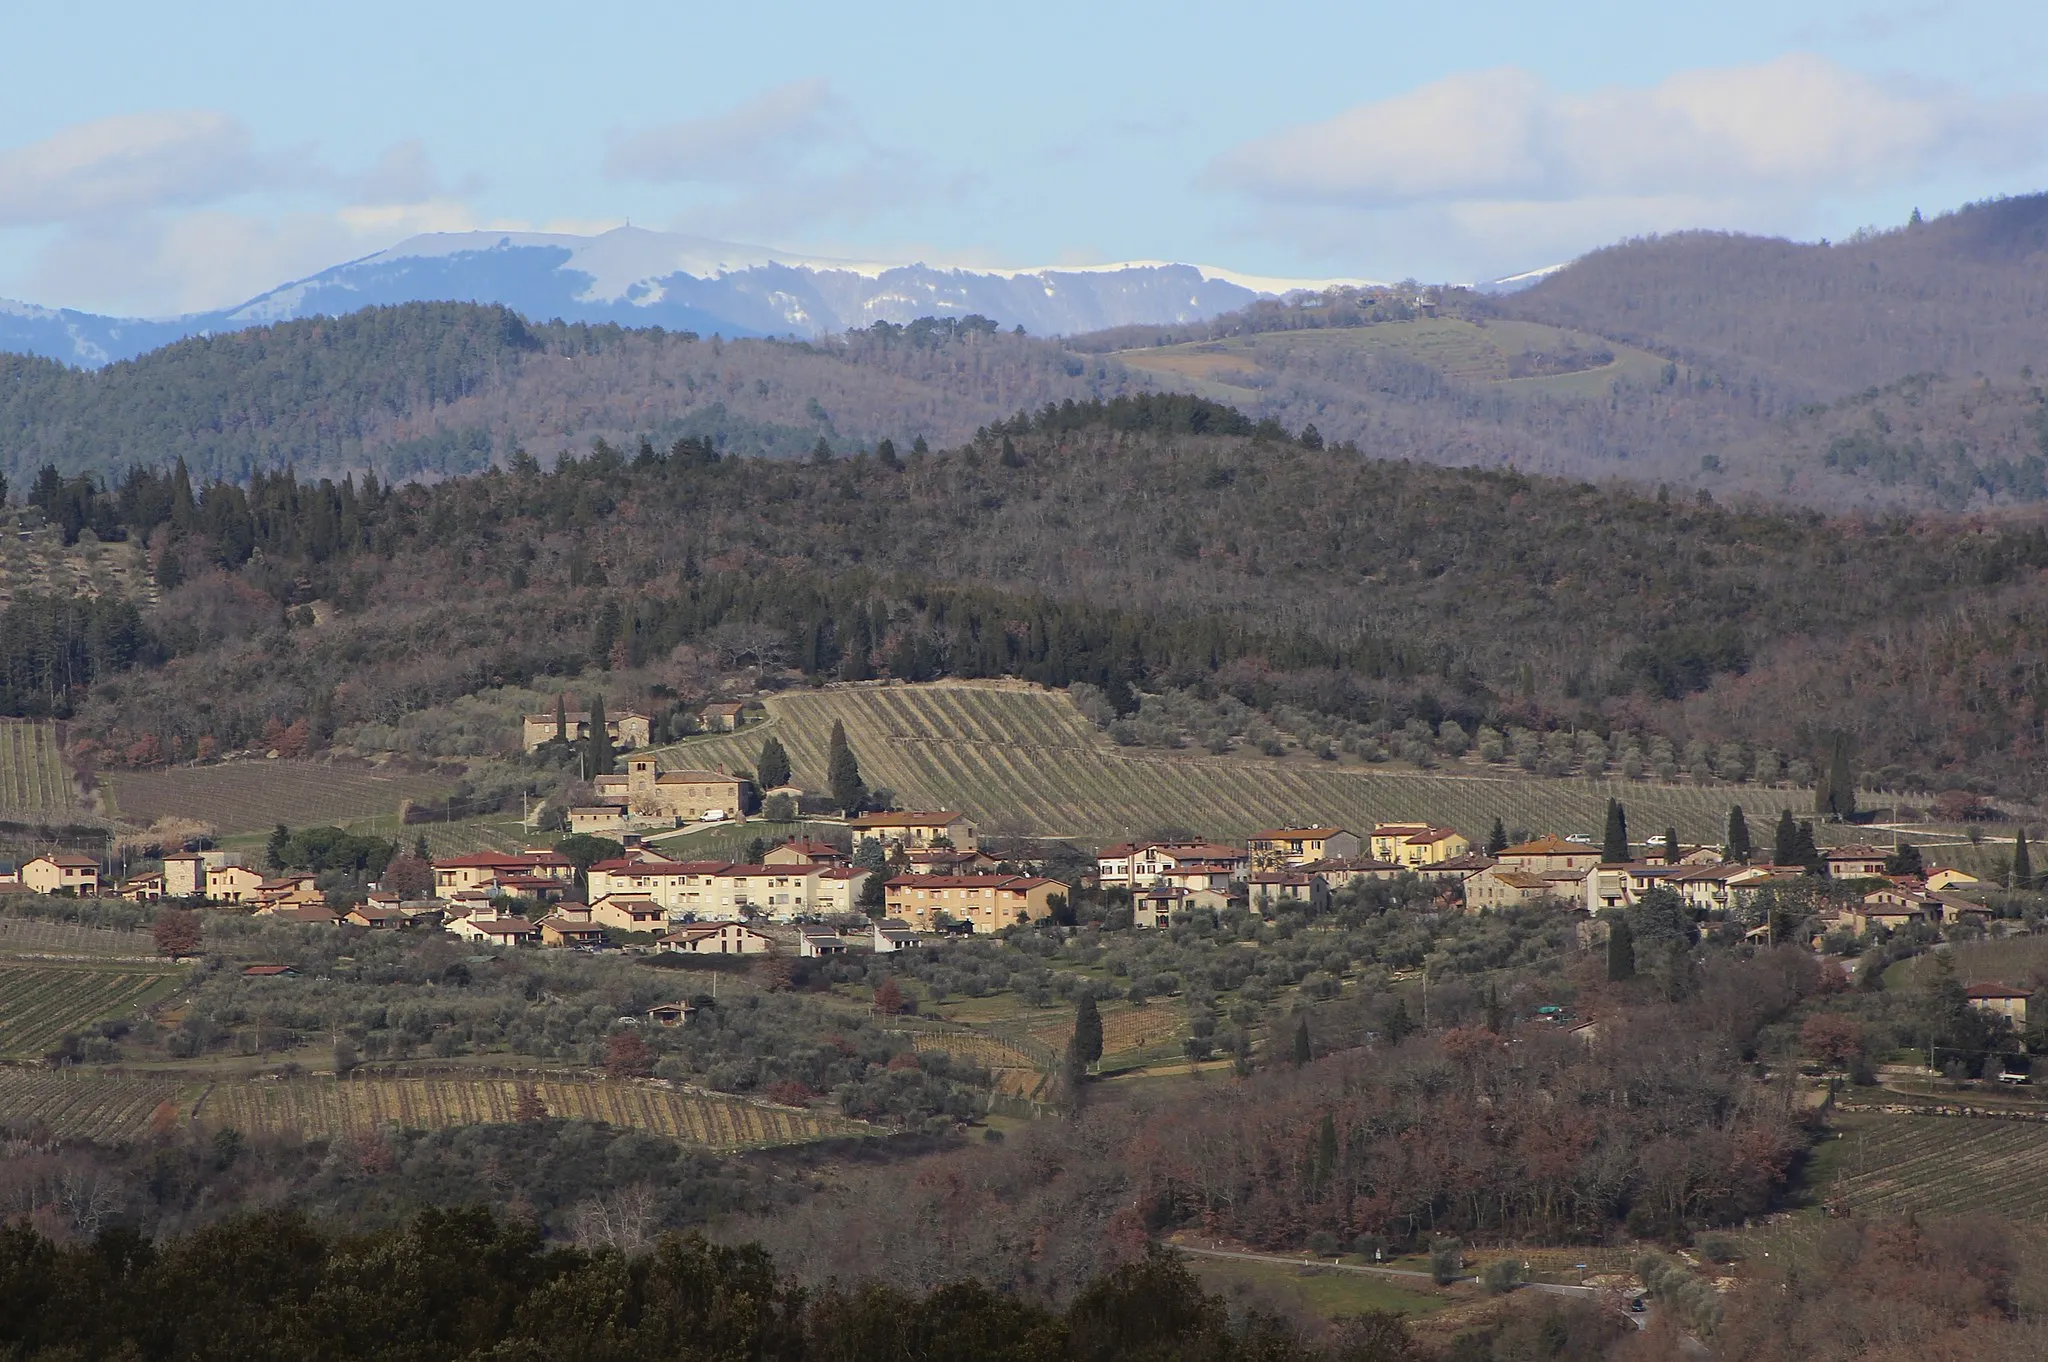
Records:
x=561, y=720
x=1805, y=852
x=2022, y=862
x=1671, y=846
x=1621, y=951
x=1498, y=841
x=849, y=792
x=600, y=747
x=1841, y=779
x=1496, y=1018
x=1302, y=1052
x=1326, y=1153
x=1785, y=847
x=1614, y=849
x=773, y=767
x=1738, y=834
x=1087, y=1044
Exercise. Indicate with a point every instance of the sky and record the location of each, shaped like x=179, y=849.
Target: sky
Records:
x=160, y=159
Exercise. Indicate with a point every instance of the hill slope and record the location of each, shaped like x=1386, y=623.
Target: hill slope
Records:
x=1026, y=763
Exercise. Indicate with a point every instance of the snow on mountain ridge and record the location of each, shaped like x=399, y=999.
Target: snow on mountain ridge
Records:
x=630, y=276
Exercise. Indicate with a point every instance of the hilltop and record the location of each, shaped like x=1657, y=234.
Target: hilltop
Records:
x=1888, y=373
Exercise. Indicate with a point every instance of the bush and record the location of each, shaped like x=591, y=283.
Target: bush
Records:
x=1323, y=1244
x=1501, y=1276
x=1446, y=1261
x=1720, y=1248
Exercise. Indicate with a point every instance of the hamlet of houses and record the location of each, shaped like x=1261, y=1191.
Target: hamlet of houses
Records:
x=938, y=881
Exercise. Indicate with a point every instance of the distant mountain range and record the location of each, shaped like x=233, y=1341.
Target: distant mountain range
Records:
x=638, y=278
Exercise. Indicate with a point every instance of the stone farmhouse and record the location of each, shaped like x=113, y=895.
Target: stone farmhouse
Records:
x=628, y=728
x=646, y=791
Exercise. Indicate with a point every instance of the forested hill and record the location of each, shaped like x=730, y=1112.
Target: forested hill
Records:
x=1892, y=372
x=1149, y=543
x=438, y=389
x=1964, y=294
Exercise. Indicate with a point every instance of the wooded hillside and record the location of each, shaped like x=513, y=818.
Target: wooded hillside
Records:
x=1108, y=545
x=1888, y=372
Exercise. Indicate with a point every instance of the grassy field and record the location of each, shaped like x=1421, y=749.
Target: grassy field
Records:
x=40, y=1002
x=1470, y=353
x=1024, y=761
x=35, y=785
x=252, y=796
x=1887, y=1165
x=729, y=843
x=1325, y=1291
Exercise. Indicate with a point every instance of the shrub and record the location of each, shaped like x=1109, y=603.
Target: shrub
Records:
x=1446, y=1261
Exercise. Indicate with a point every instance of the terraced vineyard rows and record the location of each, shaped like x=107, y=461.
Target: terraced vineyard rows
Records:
x=40, y=1003
x=251, y=796
x=35, y=785
x=86, y=1106
x=323, y=1108
x=1026, y=762
x=1902, y=1165
x=1015, y=1072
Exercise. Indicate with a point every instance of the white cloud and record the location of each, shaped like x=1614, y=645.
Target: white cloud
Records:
x=1798, y=126
x=196, y=261
x=765, y=134
x=131, y=163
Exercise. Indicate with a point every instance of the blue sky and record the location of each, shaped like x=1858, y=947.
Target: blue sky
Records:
x=159, y=158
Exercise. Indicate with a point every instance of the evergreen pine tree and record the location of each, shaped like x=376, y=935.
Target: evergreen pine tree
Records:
x=773, y=767
x=1496, y=1018
x=1785, y=845
x=600, y=746
x=1497, y=842
x=1671, y=846
x=1614, y=848
x=1302, y=1051
x=1738, y=835
x=1621, y=951
x=1087, y=1043
x=274, y=851
x=421, y=849
x=2022, y=862
x=849, y=792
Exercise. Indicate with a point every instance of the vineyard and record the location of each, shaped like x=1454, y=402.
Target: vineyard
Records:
x=324, y=1108
x=249, y=796
x=75, y=1106
x=1125, y=1029
x=1935, y=1165
x=35, y=784
x=20, y=934
x=1026, y=762
x=39, y=1003
x=1016, y=1072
